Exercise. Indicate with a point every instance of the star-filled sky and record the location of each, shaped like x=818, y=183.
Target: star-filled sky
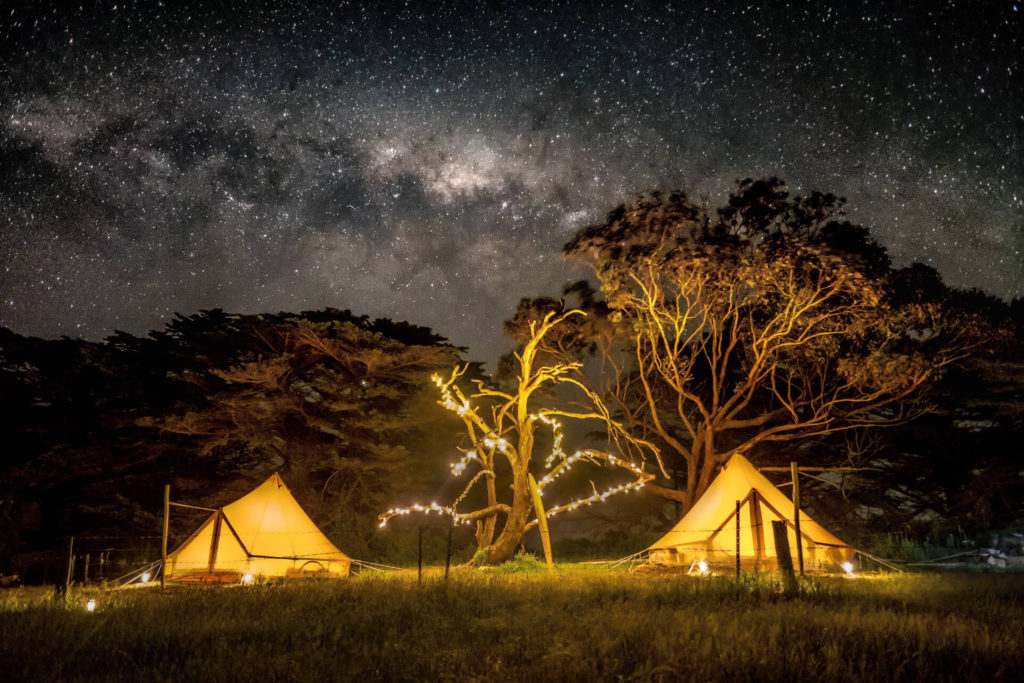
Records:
x=427, y=161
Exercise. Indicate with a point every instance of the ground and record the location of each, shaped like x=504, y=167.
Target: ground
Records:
x=582, y=624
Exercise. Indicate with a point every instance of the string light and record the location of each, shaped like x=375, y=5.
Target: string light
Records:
x=432, y=508
x=557, y=462
x=459, y=467
x=598, y=497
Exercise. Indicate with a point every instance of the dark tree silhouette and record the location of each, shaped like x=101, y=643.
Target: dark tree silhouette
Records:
x=772, y=320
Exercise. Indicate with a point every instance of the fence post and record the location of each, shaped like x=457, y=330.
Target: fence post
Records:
x=448, y=554
x=167, y=521
x=738, y=505
x=69, y=555
x=782, y=552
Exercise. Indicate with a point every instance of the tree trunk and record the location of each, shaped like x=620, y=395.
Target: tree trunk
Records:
x=515, y=526
x=485, y=528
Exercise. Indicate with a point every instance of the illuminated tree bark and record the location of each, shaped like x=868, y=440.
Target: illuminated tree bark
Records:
x=773, y=323
x=501, y=428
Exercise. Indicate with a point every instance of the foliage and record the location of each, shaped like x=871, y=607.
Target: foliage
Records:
x=769, y=321
x=572, y=626
x=339, y=403
x=522, y=563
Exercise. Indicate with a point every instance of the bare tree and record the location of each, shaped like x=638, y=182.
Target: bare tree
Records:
x=501, y=433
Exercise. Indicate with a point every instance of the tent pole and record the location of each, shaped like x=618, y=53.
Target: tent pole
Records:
x=163, y=543
x=796, y=516
x=756, y=528
x=419, y=555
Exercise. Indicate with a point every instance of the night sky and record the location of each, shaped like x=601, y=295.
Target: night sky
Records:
x=427, y=163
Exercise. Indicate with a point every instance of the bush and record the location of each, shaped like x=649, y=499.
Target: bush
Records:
x=523, y=563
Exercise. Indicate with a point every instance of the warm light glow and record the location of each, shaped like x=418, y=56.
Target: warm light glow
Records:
x=145, y=577
x=247, y=578
x=703, y=567
x=487, y=440
x=848, y=568
x=90, y=606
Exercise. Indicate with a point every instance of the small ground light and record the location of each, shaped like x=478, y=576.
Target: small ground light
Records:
x=90, y=606
x=848, y=568
x=145, y=577
x=247, y=578
x=703, y=567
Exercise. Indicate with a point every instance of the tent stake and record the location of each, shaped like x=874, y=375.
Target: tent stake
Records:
x=163, y=550
x=796, y=516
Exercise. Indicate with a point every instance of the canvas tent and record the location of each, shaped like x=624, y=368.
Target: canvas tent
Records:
x=263, y=534
x=708, y=531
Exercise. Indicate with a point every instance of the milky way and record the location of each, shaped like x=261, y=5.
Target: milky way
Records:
x=427, y=163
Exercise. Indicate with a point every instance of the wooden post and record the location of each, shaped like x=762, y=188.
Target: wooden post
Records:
x=419, y=556
x=738, y=504
x=782, y=551
x=85, y=571
x=69, y=554
x=448, y=555
x=783, y=554
x=796, y=516
x=167, y=523
x=542, y=521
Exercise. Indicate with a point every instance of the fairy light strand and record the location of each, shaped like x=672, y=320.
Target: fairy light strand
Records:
x=557, y=462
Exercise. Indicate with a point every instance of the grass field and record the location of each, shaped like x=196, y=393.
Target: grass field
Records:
x=581, y=624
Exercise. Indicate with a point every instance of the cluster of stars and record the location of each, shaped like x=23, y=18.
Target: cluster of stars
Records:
x=424, y=162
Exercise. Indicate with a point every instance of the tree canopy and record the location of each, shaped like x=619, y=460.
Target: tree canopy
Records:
x=339, y=403
x=771, y=319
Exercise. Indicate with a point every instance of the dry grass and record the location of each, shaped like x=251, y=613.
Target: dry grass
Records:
x=582, y=624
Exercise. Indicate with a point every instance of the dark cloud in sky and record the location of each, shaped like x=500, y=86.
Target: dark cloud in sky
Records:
x=427, y=162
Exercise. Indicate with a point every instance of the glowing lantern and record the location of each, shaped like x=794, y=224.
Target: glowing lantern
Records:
x=90, y=606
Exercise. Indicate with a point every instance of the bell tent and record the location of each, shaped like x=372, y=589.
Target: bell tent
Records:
x=708, y=531
x=265, y=533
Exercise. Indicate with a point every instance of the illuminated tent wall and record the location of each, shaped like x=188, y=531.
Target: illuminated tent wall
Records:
x=708, y=531
x=264, y=533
